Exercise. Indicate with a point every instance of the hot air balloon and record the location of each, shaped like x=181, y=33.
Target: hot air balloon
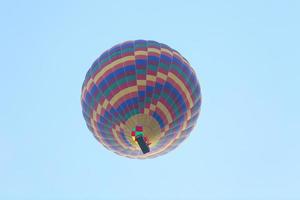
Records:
x=141, y=99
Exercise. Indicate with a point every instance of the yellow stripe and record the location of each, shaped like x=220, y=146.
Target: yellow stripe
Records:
x=99, y=108
x=140, y=53
x=189, y=114
x=150, y=78
x=162, y=76
x=182, y=87
x=118, y=128
x=152, y=107
x=94, y=115
x=141, y=82
x=154, y=50
x=146, y=110
x=122, y=93
x=85, y=88
x=123, y=126
x=105, y=103
x=166, y=128
x=166, y=51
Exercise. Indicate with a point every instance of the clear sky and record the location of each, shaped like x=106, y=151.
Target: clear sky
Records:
x=246, y=144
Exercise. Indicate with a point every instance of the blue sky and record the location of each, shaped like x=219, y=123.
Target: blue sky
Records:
x=246, y=143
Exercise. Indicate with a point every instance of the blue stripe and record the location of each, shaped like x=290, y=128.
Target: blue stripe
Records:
x=158, y=119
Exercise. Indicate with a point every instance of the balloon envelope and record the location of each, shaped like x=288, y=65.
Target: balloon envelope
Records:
x=142, y=83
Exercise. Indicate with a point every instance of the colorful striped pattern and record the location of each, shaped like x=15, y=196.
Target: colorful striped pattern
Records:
x=146, y=83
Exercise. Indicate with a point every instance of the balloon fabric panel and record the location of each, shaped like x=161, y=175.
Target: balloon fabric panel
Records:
x=141, y=83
